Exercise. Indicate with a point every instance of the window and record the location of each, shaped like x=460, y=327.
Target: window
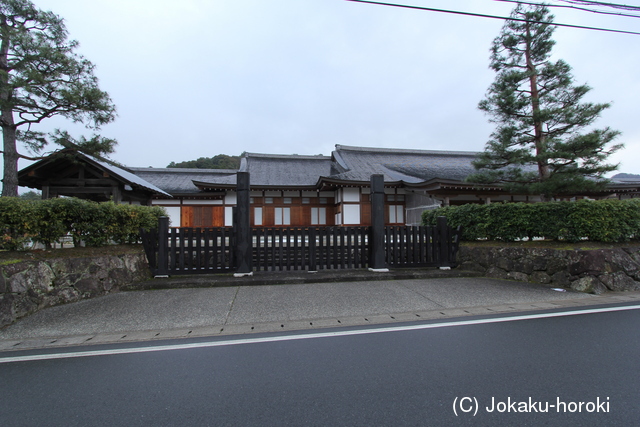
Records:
x=282, y=216
x=268, y=200
x=396, y=214
x=318, y=216
x=257, y=216
x=306, y=200
x=287, y=200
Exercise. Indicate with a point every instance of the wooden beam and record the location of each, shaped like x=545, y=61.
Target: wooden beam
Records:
x=80, y=190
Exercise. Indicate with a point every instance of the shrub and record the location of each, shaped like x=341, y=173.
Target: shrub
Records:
x=601, y=221
x=95, y=224
x=16, y=222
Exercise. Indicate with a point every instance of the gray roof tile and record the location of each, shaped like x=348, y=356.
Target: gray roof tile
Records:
x=403, y=165
x=180, y=181
x=281, y=170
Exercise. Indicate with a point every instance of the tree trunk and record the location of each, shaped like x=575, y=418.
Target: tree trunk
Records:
x=539, y=137
x=10, y=175
x=10, y=152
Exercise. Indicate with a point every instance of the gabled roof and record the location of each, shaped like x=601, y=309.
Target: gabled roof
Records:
x=55, y=164
x=272, y=170
x=179, y=181
x=127, y=176
x=410, y=166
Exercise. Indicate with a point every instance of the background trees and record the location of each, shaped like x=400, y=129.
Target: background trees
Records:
x=537, y=147
x=42, y=76
x=220, y=161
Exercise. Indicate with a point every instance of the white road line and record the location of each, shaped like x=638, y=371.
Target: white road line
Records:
x=223, y=343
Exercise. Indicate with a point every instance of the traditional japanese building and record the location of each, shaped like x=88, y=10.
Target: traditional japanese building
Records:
x=287, y=190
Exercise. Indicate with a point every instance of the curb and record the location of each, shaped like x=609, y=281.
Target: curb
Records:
x=270, y=278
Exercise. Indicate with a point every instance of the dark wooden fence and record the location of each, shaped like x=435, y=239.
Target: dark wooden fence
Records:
x=309, y=248
x=174, y=251
x=213, y=250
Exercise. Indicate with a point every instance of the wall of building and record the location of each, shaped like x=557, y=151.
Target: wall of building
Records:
x=349, y=206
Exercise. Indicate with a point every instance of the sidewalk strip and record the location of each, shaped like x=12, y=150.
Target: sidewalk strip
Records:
x=223, y=343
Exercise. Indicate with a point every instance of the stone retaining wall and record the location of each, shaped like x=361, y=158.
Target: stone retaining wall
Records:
x=593, y=271
x=28, y=286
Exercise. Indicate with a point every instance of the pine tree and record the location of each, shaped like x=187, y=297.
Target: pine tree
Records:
x=42, y=76
x=537, y=146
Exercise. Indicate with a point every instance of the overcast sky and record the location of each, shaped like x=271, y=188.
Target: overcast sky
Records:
x=196, y=78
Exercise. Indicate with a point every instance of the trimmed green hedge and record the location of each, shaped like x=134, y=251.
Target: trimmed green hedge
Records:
x=598, y=221
x=95, y=224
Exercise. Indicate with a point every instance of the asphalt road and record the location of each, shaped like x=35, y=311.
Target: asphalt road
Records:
x=583, y=369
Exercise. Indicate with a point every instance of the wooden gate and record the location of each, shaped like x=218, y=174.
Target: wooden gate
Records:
x=310, y=248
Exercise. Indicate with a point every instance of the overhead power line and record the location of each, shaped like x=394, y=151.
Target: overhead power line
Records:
x=480, y=15
x=572, y=6
x=603, y=4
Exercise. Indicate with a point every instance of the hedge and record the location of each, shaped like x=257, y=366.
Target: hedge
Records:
x=89, y=223
x=594, y=220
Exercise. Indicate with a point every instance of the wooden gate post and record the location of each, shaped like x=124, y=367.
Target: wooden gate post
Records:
x=376, y=244
x=163, y=247
x=444, y=243
x=242, y=225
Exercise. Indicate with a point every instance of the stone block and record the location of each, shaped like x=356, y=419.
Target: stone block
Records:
x=619, y=281
x=588, y=262
x=496, y=273
x=561, y=279
x=523, y=265
x=471, y=266
x=516, y=275
x=504, y=263
x=7, y=314
x=23, y=306
x=88, y=287
x=64, y=296
x=557, y=263
x=540, y=277
x=589, y=284
x=618, y=260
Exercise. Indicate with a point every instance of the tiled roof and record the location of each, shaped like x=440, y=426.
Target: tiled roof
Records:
x=286, y=170
x=411, y=166
x=180, y=181
x=128, y=176
x=345, y=164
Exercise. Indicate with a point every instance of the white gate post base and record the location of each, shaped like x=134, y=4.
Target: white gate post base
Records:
x=242, y=274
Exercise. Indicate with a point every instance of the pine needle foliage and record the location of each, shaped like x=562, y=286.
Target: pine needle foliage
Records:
x=543, y=143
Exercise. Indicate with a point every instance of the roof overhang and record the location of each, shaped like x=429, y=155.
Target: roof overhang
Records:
x=96, y=178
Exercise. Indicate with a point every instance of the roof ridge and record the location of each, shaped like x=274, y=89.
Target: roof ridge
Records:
x=405, y=151
x=289, y=156
x=183, y=170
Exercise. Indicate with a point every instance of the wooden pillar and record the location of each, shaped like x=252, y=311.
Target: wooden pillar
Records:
x=242, y=226
x=443, y=240
x=163, y=247
x=376, y=244
x=116, y=195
